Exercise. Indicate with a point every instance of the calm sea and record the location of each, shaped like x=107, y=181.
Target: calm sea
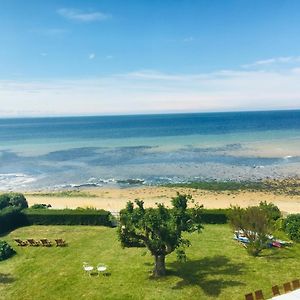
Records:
x=55, y=153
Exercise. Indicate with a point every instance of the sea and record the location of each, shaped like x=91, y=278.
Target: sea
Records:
x=58, y=153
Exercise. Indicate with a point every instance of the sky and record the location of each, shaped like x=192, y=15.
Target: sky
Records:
x=98, y=57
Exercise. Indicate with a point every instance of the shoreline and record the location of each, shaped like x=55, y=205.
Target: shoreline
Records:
x=114, y=199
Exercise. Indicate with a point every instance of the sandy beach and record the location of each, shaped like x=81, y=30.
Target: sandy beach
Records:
x=114, y=199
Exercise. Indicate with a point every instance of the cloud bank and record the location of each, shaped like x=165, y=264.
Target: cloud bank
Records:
x=149, y=91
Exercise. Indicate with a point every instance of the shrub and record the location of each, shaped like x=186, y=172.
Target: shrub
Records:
x=11, y=218
x=291, y=225
x=4, y=201
x=18, y=200
x=255, y=225
x=6, y=251
x=13, y=199
x=67, y=217
x=272, y=211
x=40, y=206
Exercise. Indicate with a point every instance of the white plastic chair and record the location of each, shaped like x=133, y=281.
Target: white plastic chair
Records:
x=101, y=268
x=88, y=268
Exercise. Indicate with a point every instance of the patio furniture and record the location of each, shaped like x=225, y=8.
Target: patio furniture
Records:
x=287, y=287
x=102, y=269
x=46, y=243
x=60, y=243
x=259, y=295
x=275, y=290
x=296, y=284
x=294, y=295
x=88, y=268
x=33, y=242
x=21, y=243
x=249, y=296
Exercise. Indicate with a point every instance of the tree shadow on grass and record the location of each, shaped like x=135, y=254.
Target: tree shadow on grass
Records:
x=200, y=273
x=6, y=278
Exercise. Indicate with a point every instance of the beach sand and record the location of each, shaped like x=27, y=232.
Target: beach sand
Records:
x=114, y=199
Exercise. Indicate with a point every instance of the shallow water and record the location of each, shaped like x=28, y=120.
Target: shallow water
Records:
x=54, y=153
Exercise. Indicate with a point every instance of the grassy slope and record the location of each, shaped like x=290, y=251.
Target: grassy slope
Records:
x=217, y=268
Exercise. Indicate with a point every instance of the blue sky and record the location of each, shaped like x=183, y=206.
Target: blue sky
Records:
x=114, y=56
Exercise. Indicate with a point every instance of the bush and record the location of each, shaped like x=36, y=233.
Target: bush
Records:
x=6, y=251
x=272, y=211
x=13, y=199
x=291, y=225
x=40, y=206
x=11, y=218
x=215, y=216
x=67, y=217
x=4, y=201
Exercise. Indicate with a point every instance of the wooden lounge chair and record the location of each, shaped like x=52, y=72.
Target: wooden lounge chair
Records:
x=60, y=243
x=296, y=284
x=249, y=296
x=287, y=287
x=46, y=243
x=259, y=295
x=275, y=290
x=33, y=243
x=21, y=243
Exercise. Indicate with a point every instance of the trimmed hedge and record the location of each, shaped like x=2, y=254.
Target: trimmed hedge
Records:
x=67, y=217
x=11, y=218
x=215, y=216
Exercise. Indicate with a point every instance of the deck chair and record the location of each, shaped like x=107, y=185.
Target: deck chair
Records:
x=287, y=287
x=60, y=243
x=21, y=243
x=32, y=242
x=259, y=295
x=46, y=243
x=249, y=296
x=275, y=290
x=296, y=284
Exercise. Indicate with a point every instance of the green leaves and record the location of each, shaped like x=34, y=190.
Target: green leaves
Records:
x=159, y=229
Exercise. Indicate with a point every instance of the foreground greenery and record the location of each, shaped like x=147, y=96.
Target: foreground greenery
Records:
x=217, y=267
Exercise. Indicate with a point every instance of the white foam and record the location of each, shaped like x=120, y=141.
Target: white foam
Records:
x=10, y=181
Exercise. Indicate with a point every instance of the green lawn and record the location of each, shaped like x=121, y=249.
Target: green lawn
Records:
x=218, y=268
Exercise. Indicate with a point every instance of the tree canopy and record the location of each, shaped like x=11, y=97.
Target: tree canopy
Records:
x=160, y=229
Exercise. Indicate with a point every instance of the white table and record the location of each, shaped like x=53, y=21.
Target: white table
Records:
x=294, y=295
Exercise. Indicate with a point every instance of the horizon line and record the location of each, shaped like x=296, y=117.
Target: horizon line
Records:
x=145, y=113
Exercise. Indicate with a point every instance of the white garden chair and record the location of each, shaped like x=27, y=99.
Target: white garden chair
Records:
x=88, y=268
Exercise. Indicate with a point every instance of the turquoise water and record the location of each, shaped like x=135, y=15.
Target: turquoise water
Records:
x=52, y=153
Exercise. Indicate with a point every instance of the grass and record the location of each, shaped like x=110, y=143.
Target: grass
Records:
x=69, y=193
x=218, y=267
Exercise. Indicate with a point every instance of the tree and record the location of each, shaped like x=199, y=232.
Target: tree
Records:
x=17, y=200
x=159, y=229
x=255, y=224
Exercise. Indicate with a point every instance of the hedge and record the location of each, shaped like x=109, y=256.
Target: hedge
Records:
x=67, y=217
x=11, y=218
x=215, y=216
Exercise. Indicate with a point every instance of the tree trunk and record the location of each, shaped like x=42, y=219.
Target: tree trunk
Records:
x=160, y=267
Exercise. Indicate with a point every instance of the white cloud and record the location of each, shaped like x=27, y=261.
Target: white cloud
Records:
x=78, y=15
x=152, y=92
x=274, y=61
x=92, y=56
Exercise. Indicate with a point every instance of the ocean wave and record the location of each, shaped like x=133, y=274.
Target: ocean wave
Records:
x=10, y=181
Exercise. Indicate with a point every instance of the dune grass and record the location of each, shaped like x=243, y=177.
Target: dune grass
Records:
x=217, y=267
